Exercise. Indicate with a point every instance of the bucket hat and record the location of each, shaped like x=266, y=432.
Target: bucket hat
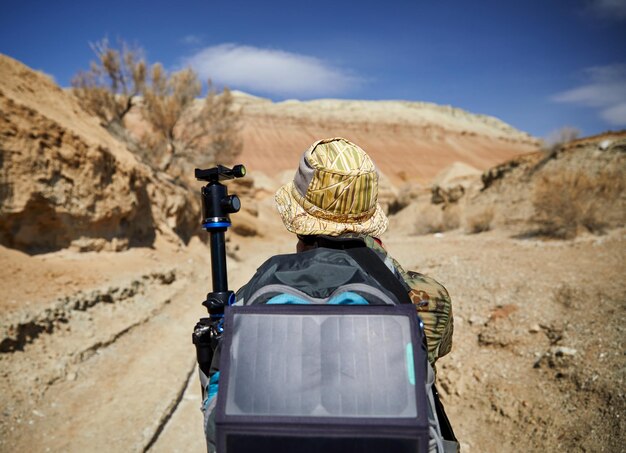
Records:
x=334, y=191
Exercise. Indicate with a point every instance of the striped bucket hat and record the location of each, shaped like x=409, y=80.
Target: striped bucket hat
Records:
x=334, y=191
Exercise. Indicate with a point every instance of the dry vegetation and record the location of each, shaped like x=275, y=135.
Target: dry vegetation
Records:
x=481, y=221
x=433, y=219
x=560, y=136
x=119, y=80
x=110, y=87
x=428, y=221
x=450, y=218
x=571, y=202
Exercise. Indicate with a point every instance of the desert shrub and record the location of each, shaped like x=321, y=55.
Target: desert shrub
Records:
x=428, y=220
x=480, y=221
x=179, y=127
x=110, y=87
x=221, y=121
x=555, y=144
x=407, y=194
x=572, y=201
x=433, y=219
x=446, y=195
x=561, y=136
x=450, y=218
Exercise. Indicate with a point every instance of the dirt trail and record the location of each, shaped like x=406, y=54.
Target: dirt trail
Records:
x=114, y=366
x=524, y=373
x=537, y=363
x=110, y=373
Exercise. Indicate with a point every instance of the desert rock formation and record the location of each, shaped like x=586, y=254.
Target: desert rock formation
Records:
x=409, y=141
x=510, y=188
x=65, y=181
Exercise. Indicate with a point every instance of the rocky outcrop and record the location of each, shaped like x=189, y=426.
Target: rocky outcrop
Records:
x=499, y=171
x=447, y=195
x=452, y=183
x=22, y=327
x=582, y=177
x=64, y=181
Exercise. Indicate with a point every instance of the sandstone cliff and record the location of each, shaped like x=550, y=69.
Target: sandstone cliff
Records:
x=65, y=181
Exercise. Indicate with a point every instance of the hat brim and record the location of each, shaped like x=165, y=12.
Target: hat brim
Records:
x=297, y=220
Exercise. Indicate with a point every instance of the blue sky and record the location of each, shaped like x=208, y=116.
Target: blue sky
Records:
x=538, y=65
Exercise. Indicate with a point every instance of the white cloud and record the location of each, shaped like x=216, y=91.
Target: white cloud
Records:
x=605, y=90
x=191, y=40
x=270, y=71
x=614, y=9
x=616, y=115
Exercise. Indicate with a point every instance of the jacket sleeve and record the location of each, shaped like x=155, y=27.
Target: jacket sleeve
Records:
x=434, y=306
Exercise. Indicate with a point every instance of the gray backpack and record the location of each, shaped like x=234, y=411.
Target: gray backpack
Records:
x=324, y=351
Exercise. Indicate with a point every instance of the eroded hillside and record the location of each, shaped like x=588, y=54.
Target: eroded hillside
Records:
x=64, y=181
x=409, y=141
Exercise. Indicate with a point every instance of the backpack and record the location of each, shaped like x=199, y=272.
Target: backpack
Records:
x=342, y=301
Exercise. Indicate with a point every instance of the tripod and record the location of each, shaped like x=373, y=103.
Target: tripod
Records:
x=216, y=207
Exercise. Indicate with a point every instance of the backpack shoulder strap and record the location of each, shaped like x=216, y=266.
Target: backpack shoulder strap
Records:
x=369, y=261
x=372, y=264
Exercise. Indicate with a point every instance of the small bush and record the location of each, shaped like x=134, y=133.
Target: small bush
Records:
x=573, y=201
x=433, y=219
x=555, y=144
x=480, y=222
x=450, y=218
x=561, y=136
x=428, y=221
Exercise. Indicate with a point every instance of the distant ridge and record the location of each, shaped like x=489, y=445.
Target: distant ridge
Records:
x=410, y=141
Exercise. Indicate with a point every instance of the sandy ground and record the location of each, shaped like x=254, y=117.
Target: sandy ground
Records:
x=537, y=365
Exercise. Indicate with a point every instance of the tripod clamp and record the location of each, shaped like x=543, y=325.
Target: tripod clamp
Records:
x=217, y=205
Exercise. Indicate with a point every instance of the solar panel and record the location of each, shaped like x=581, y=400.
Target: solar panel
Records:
x=318, y=373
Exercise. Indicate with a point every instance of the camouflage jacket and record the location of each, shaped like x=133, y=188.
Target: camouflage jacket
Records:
x=431, y=300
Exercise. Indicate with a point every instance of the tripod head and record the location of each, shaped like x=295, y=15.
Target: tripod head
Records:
x=220, y=173
x=217, y=205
